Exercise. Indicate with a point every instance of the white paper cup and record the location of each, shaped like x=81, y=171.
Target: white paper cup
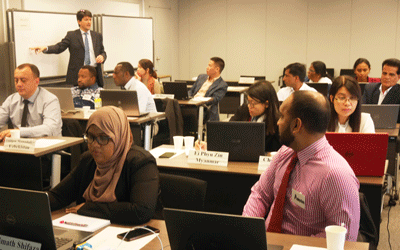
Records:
x=189, y=141
x=15, y=134
x=86, y=111
x=178, y=142
x=335, y=237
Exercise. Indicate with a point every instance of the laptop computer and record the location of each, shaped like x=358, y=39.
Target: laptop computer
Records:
x=384, y=116
x=127, y=100
x=179, y=89
x=64, y=96
x=202, y=230
x=365, y=153
x=245, y=141
x=25, y=214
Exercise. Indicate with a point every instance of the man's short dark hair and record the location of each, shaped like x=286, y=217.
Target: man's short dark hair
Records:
x=92, y=70
x=297, y=69
x=392, y=62
x=219, y=62
x=313, y=114
x=127, y=67
x=82, y=13
x=33, y=68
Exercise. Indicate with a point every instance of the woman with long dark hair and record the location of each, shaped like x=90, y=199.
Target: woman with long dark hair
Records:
x=147, y=75
x=317, y=73
x=345, y=101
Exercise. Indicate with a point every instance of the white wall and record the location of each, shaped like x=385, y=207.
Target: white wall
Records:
x=260, y=37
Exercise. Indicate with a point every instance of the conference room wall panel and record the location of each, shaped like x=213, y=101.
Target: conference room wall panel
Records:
x=374, y=32
x=184, y=39
x=336, y=32
x=286, y=35
x=208, y=34
x=329, y=42
x=246, y=40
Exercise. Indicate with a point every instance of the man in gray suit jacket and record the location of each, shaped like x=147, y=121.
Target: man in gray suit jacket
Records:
x=211, y=85
x=387, y=91
x=75, y=42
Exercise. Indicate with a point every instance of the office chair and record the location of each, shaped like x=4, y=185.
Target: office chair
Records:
x=181, y=192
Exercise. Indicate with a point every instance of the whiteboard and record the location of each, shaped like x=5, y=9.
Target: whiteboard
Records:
x=126, y=39
x=32, y=29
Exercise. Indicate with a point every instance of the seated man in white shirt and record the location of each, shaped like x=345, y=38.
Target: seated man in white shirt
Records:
x=295, y=74
x=124, y=77
x=33, y=110
x=387, y=91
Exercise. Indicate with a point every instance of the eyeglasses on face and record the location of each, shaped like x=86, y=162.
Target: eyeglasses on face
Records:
x=342, y=99
x=101, y=140
x=252, y=104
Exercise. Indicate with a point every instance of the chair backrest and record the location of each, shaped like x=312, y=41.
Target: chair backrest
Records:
x=367, y=231
x=182, y=192
x=349, y=72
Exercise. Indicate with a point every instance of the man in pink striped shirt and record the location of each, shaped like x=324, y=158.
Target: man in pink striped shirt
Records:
x=322, y=189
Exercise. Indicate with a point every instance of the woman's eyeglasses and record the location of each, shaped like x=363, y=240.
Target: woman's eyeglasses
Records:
x=342, y=99
x=252, y=104
x=101, y=140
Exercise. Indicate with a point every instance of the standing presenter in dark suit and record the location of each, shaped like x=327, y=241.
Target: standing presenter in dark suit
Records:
x=85, y=48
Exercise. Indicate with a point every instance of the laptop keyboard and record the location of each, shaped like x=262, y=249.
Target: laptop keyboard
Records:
x=62, y=241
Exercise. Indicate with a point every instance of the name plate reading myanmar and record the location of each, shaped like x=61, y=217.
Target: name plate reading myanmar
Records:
x=263, y=162
x=208, y=158
x=11, y=243
x=22, y=144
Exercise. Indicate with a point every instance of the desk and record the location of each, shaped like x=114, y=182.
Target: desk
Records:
x=147, y=120
x=23, y=169
x=229, y=187
x=285, y=240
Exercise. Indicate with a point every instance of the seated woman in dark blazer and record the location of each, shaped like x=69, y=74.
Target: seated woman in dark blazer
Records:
x=262, y=106
x=115, y=179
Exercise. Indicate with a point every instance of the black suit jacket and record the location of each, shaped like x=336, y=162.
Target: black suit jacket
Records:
x=74, y=42
x=371, y=95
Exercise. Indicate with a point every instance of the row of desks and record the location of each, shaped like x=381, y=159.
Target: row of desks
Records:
x=284, y=240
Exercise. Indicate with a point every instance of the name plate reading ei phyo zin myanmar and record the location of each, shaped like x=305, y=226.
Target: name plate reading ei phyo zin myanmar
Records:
x=24, y=144
x=263, y=162
x=11, y=243
x=208, y=158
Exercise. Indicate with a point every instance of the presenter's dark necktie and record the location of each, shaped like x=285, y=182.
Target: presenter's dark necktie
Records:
x=25, y=114
x=87, y=54
x=275, y=224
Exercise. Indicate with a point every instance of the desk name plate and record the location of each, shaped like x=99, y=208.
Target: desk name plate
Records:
x=208, y=158
x=263, y=162
x=20, y=144
x=11, y=243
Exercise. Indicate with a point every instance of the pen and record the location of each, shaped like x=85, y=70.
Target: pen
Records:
x=73, y=224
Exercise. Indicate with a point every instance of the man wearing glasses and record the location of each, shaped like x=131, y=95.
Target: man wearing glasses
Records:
x=295, y=74
x=387, y=91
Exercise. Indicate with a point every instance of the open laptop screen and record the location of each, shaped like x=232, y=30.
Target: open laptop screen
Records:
x=245, y=141
x=203, y=230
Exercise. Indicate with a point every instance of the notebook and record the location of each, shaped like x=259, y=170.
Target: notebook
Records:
x=384, y=116
x=245, y=141
x=365, y=153
x=127, y=100
x=179, y=89
x=64, y=96
x=25, y=214
x=202, y=230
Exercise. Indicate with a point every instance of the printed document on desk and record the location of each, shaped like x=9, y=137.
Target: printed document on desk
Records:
x=43, y=143
x=80, y=222
x=107, y=239
x=300, y=247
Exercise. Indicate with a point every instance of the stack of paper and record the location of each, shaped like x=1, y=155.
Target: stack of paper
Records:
x=80, y=222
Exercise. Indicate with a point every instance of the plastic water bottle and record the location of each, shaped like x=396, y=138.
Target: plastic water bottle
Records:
x=97, y=101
